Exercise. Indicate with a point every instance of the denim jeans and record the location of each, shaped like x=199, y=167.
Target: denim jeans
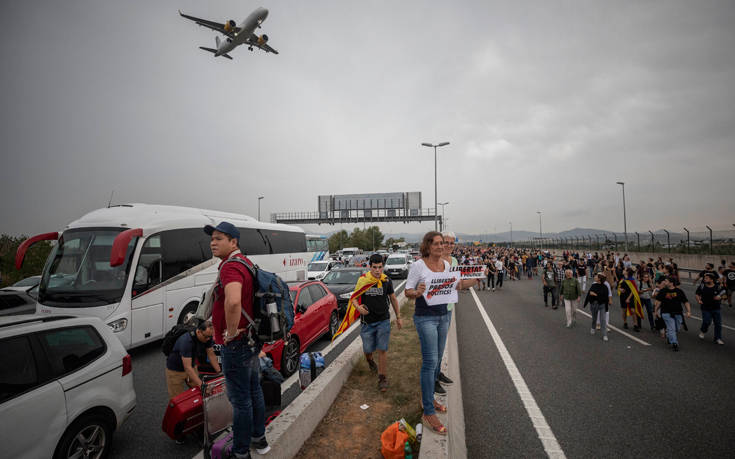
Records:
x=673, y=323
x=241, y=367
x=432, y=331
x=598, y=316
x=708, y=317
x=648, y=304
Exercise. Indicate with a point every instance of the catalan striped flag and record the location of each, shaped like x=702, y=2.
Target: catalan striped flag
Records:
x=364, y=283
x=637, y=306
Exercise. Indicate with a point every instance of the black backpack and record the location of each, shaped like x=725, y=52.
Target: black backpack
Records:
x=169, y=340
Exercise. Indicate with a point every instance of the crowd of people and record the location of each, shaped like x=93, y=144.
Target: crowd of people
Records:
x=649, y=289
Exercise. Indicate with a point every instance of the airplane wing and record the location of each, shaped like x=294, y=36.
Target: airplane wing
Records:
x=223, y=28
x=255, y=41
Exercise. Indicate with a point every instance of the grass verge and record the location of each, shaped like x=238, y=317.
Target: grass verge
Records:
x=349, y=431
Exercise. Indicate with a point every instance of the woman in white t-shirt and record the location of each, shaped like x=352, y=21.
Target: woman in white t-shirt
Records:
x=432, y=323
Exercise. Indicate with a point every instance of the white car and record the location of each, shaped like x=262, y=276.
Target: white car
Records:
x=66, y=384
x=397, y=265
x=318, y=269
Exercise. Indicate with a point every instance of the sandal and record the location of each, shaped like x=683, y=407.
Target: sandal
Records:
x=439, y=407
x=436, y=425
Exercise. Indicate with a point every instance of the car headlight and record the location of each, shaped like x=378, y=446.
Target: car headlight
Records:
x=345, y=296
x=118, y=325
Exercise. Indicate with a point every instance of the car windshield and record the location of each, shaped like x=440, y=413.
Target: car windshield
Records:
x=79, y=272
x=396, y=261
x=28, y=282
x=318, y=266
x=342, y=277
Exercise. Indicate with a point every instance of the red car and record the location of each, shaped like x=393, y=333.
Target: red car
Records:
x=315, y=314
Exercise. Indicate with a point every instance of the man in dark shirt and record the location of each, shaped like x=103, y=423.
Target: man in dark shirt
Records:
x=708, y=296
x=375, y=318
x=182, y=362
x=670, y=304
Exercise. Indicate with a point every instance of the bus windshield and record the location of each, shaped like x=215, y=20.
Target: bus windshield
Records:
x=79, y=272
x=316, y=244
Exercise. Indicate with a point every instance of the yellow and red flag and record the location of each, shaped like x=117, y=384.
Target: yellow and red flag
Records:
x=364, y=283
x=637, y=306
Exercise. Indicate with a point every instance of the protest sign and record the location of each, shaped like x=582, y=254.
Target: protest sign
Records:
x=469, y=272
x=441, y=288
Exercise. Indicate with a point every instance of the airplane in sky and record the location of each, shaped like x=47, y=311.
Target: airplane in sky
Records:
x=235, y=35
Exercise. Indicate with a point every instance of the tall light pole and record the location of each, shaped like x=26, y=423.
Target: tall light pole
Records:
x=260, y=198
x=540, y=234
x=431, y=145
x=441, y=228
x=625, y=220
x=511, y=234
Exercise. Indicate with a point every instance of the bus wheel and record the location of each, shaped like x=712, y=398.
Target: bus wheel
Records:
x=189, y=308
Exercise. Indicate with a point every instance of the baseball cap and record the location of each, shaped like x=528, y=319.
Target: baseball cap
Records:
x=224, y=227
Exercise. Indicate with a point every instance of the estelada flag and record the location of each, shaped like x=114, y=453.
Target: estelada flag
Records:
x=364, y=283
x=637, y=305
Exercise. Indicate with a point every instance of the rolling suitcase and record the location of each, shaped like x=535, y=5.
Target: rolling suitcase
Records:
x=217, y=412
x=183, y=414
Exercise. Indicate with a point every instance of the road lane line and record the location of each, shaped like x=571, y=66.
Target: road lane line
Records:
x=548, y=440
x=723, y=325
x=613, y=327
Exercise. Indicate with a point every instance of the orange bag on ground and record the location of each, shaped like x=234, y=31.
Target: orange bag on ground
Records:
x=392, y=442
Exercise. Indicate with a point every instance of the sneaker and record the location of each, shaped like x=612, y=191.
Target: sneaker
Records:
x=260, y=445
x=382, y=383
x=444, y=379
x=554, y=307
x=604, y=338
x=701, y=335
x=493, y=289
x=592, y=331
x=241, y=456
x=179, y=441
x=438, y=389
x=625, y=325
x=720, y=342
x=676, y=347
x=373, y=366
x=636, y=328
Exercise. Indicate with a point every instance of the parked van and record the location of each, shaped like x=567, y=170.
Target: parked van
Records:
x=397, y=265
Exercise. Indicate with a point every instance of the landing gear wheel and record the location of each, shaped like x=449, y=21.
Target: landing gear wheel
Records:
x=290, y=357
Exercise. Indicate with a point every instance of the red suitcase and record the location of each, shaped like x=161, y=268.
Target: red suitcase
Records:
x=184, y=413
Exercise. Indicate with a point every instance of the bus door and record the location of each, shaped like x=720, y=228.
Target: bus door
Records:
x=147, y=308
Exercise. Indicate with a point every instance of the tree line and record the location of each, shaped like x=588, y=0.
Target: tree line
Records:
x=32, y=265
x=367, y=239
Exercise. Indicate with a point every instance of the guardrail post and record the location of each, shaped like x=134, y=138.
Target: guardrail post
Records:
x=687, y=241
x=616, y=241
x=653, y=243
x=638, y=237
x=668, y=239
x=710, y=239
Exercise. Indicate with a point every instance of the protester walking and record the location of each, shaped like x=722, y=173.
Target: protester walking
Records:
x=670, y=304
x=598, y=299
x=569, y=292
x=548, y=277
x=709, y=296
x=645, y=290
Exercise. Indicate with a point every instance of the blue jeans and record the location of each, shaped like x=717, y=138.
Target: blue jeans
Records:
x=673, y=323
x=708, y=317
x=649, y=311
x=432, y=331
x=241, y=367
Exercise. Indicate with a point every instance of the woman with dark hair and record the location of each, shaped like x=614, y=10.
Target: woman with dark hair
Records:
x=432, y=324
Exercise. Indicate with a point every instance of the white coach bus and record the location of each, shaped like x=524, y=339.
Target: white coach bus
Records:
x=141, y=268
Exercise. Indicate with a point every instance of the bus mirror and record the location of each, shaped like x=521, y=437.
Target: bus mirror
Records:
x=23, y=248
x=120, y=245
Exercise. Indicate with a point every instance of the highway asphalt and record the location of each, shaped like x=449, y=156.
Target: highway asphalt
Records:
x=615, y=399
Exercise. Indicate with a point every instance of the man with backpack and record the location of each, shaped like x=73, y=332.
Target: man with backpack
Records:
x=182, y=362
x=233, y=299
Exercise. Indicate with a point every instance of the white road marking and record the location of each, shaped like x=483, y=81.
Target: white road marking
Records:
x=612, y=327
x=548, y=440
x=723, y=325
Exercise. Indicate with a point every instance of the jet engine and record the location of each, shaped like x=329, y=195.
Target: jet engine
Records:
x=230, y=26
x=263, y=39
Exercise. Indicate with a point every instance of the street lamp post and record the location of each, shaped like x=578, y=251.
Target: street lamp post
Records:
x=443, y=224
x=434, y=146
x=260, y=198
x=625, y=220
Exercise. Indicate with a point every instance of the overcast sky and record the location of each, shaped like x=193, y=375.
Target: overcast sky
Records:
x=546, y=104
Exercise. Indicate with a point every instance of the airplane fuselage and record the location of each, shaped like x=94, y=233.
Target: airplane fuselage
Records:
x=248, y=27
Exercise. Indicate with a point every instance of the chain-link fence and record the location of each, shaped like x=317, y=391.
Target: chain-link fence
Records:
x=694, y=240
